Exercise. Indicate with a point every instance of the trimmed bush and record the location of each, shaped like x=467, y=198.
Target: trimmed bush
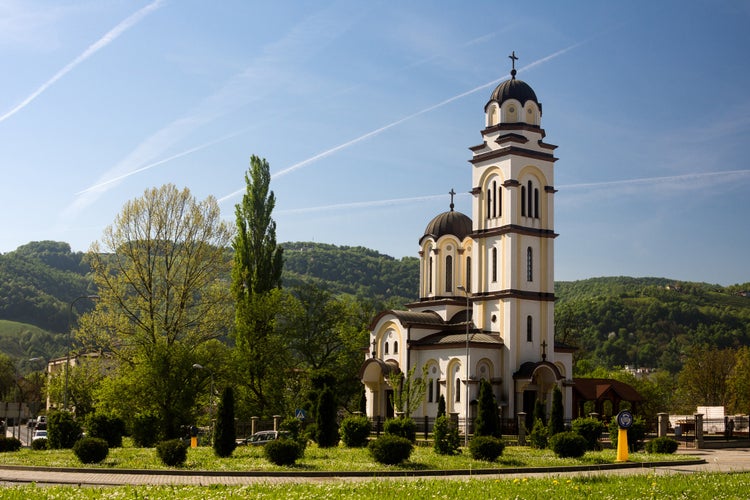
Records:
x=487, y=448
x=283, y=451
x=487, y=422
x=91, y=450
x=568, y=444
x=447, y=440
x=662, y=444
x=39, y=444
x=538, y=435
x=111, y=429
x=145, y=430
x=403, y=427
x=9, y=444
x=62, y=430
x=591, y=430
x=327, y=435
x=390, y=449
x=355, y=431
x=172, y=452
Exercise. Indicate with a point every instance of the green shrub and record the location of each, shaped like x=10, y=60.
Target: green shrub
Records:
x=403, y=427
x=145, y=430
x=172, y=452
x=390, y=449
x=487, y=448
x=224, y=438
x=355, y=431
x=591, y=430
x=111, y=429
x=447, y=440
x=9, y=444
x=662, y=444
x=568, y=444
x=283, y=451
x=296, y=432
x=538, y=435
x=327, y=435
x=62, y=430
x=39, y=444
x=91, y=450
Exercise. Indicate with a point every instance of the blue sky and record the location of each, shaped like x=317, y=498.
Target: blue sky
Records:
x=365, y=112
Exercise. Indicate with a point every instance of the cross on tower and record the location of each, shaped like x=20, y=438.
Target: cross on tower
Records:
x=452, y=193
x=544, y=350
x=513, y=60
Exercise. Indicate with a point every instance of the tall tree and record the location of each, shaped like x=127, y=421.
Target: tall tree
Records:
x=556, y=417
x=704, y=378
x=159, y=270
x=256, y=282
x=224, y=441
x=739, y=381
x=408, y=390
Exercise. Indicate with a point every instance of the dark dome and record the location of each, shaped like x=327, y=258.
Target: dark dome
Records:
x=451, y=222
x=514, y=89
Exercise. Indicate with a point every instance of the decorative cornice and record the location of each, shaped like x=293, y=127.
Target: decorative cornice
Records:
x=511, y=183
x=516, y=229
x=550, y=189
x=512, y=293
x=512, y=138
x=512, y=151
x=513, y=126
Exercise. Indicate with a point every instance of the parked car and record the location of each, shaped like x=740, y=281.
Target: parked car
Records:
x=39, y=434
x=263, y=437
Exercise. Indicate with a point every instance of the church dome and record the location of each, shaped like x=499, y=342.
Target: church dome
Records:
x=514, y=89
x=451, y=222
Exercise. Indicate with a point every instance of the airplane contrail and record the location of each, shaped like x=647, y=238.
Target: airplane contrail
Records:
x=108, y=38
x=377, y=131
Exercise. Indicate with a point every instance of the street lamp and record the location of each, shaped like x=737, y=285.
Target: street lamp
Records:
x=70, y=337
x=466, y=403
x=211, y=399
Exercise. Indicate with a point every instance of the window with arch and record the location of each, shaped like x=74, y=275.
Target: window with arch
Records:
x=489, y=203
x=430, y=391
x=395, y=347
x=529, y=264
x=458, y=390
x=536, y=203
x=529, y=192
x=529, y=329
x=523, y=201
x=449, y=273
x=429, y=276
x=386, y=348
x=468, y=275
x=494, y=264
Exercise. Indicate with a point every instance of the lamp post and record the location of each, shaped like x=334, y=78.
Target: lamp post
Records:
x=466, y=403
x=70, y=340
x=211, y=400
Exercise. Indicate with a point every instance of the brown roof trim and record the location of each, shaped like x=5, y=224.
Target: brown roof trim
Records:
x=478, y=147
x=512, y=137
x=546, y=145
x=437, y=301
x=513, y=126
x=515, y=229
x=550, y=189
x=512, y=293
x=511, y=183
x=512, y=150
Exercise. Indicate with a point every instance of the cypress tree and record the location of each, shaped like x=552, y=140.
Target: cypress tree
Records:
x=487, y=422
x=441, y=406
x=224, y=440
x=556, y=423
x=327, y=434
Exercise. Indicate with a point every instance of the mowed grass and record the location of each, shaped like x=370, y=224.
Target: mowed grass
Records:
x=342, y=459
x=599, y=486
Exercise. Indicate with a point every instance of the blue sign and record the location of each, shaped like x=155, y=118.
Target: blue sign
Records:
x=625, y=419
x=300, y=414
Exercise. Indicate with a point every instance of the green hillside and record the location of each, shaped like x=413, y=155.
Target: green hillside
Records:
x=613, y=321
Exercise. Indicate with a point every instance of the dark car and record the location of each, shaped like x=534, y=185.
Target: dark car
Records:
x=263, y=437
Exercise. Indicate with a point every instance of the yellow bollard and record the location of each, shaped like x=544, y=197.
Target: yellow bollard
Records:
x=622, y=445
x=194, y=442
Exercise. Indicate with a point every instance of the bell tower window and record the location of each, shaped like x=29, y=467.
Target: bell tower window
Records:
x=529, y=264
x=528, y=200
x=468, y=274
x=494, y=264
x=523, y=201
x=529, y=329
x=449, y=273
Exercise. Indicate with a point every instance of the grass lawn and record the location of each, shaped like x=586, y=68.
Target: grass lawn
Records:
x=599, y=486
x=250, y=458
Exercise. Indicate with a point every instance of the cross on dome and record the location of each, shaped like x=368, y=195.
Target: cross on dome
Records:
x=513, y=60
x=452, y=193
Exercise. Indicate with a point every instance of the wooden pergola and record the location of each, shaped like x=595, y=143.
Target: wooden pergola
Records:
x=600, y=390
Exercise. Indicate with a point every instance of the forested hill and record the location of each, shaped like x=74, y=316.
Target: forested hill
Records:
x=650, y=322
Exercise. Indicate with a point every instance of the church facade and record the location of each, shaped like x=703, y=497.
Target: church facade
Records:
x=486, y=292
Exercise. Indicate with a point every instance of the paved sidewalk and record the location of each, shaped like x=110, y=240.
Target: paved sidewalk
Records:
x=725, y=460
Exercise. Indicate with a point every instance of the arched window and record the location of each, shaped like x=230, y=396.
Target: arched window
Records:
x=529, y=265
x=494, y=198
x=499, y=199
x=449, y=273
x=395, y=347
x=536, y=203
x=430, y=391
x=468, y=274
x=529, y=325
x=489, y=203
x=386, y=347
x=523, y=200
x=529, y=192
x=429, y=276
x=458, y=390
x=494, y=264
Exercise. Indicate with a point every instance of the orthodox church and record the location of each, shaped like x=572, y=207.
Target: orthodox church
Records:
x=486, y=288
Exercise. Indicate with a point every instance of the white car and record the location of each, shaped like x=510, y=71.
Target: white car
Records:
x=40, y=434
